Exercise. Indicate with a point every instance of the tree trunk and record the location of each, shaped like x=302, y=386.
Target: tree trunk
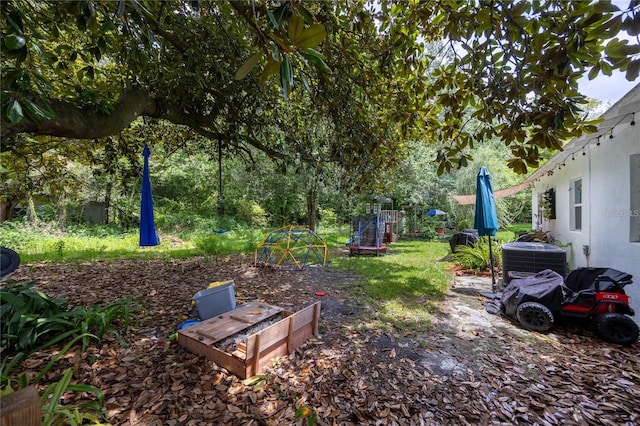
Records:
x=6, y=210
x=312, y=204
x=31, y=211
x=107, y=201
x=62, y=214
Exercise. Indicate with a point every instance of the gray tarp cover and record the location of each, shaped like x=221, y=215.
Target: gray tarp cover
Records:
x=546, y=287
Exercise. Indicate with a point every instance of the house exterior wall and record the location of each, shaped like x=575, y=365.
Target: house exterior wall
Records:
x=609, y=212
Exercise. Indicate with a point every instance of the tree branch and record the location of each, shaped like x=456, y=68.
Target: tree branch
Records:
x=75, y=122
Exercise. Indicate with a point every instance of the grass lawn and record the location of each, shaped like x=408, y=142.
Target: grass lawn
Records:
x=403, y=287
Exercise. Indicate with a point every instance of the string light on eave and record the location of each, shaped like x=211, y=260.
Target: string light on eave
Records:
x=633, y=119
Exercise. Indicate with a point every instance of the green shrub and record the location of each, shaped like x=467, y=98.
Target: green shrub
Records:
x=226, y=222
x=250, y=239
x=428, y=233
x=30, y=318
x=17, y=235
x=477, y=257
x=31, y=321
x=214, y=244
x=328, y=218
x=251, y=212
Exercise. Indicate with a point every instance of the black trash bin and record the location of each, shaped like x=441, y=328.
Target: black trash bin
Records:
x=466, y=237
x=9, y=261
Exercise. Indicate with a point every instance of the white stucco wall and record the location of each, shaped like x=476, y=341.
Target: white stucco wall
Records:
x=605, y=171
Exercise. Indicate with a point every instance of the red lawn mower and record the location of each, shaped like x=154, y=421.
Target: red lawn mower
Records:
x=593, y=294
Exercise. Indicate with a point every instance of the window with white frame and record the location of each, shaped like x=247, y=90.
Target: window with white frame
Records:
x=576, y=205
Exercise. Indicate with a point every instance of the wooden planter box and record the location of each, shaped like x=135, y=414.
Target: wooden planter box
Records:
x=257, y=349
x=21, y=408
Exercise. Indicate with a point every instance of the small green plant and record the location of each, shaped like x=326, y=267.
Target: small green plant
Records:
x=71, y=415
x=59, y=248
x=477, y=257
x=30, y=318
x=212, y=245
x=54, y=413
x=31, y=321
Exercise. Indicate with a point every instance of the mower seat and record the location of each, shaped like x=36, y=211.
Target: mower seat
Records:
x=606, y=279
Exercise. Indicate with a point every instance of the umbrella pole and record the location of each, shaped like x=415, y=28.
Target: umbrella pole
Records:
x=493, y=273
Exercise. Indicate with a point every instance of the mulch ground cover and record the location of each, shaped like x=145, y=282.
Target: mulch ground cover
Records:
x=470, y=368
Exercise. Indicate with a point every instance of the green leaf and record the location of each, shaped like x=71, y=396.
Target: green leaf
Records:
x=14, y=112
x=311, y=37
x=601, y=6
x=87, y=389
x=55, y=391
x=255, y=379
x=313, y=419
x=285, y=76
x=245, y=69
x=15, y=21
x=305, y=82
x=633, y=70
x=285, y=70
x=439, y=18
x=315, y=58
x=272, y=19
x=271, y=68
x=95, y=51
x=310, y=51
x=14, y=42
x=89, y=71
x=35, y=113
x=308, y=17
x=121, y=5
x=296, y=27
x=302, y=413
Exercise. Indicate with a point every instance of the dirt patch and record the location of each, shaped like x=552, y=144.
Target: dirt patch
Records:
x=471, y=368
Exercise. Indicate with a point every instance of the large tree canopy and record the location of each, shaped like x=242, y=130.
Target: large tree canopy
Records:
x=373, y=73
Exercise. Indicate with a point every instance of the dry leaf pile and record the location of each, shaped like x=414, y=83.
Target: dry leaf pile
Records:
x=462, y=372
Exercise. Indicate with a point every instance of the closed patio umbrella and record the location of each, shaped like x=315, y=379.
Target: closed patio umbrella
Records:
x=486, y=218
x=148, y=235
